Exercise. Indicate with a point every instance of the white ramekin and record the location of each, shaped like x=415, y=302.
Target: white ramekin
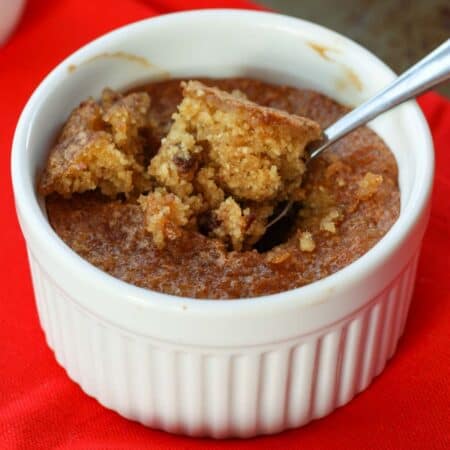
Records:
x=223, y=368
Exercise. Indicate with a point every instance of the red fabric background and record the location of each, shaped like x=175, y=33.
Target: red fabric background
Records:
x=407, y=407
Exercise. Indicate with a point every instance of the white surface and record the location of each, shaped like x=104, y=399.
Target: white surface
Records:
x=10, y=11
x=223, y=368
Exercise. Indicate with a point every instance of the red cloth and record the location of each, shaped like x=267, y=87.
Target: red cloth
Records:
x=407, y=407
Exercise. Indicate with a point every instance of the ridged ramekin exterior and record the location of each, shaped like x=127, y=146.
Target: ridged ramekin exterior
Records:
x=223, y=392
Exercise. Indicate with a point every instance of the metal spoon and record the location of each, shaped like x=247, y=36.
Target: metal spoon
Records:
x=428, y=72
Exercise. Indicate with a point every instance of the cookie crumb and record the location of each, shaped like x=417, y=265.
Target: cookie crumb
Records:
x=278, y=256
x=368, y=185
x=306, y=242
x=329, y=221
x=164, y=215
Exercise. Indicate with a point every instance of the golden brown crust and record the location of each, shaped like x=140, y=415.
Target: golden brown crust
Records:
x=86, y=161
x=257, y=116
x=100, y=147
x=127, y=116
x=87, y=117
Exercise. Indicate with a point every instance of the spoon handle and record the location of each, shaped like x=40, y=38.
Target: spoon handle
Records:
x=430, y=71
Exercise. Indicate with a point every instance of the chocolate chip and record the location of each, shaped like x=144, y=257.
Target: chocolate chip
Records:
x=185, y=165
x=208, y=222
x=250, y=219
